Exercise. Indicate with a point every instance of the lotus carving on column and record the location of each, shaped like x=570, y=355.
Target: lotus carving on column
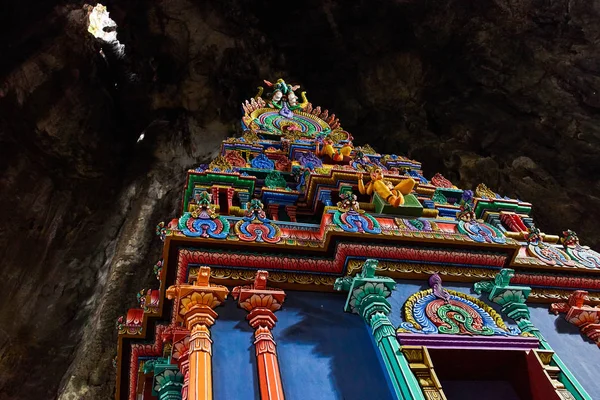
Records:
x=260, y=300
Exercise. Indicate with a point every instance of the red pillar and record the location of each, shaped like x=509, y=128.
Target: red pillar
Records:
x=261, y=302
x=181, y=346
x=291, y=212
x=273, y=211
x=215, y=195
x=230, y=192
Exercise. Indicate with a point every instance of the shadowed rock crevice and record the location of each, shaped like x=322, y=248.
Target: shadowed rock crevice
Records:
x=505, y=93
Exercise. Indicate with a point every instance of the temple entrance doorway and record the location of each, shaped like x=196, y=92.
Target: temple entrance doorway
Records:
x=482, y=374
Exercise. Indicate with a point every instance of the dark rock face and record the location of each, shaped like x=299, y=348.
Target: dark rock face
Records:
x=505, y=93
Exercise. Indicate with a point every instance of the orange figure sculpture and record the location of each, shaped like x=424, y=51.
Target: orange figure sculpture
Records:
x=261, y=302
x=390, y=193
x=329, y=151
x=347, y=150
x=196, y=303
x=336, y=155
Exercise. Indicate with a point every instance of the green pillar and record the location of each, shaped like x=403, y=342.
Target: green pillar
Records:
x=367, y=298
x=168, y=380
x=512, y=299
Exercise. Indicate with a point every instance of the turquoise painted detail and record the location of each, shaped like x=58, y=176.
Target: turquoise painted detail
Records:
x=274, y=180
x=367, y=298
x=168, y=380
x=512, y=299
x=439, y=198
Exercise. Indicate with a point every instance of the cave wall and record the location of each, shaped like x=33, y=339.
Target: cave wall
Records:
x=494, y=91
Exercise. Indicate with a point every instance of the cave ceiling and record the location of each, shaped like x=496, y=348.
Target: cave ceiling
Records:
x=500, y=92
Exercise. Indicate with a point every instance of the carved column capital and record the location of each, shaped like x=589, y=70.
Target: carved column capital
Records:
x=196, y=302
x=367, y=293
x=167, y=381
x=258, y=299
x=512, y=299
x=261, y=316
x=586, y=317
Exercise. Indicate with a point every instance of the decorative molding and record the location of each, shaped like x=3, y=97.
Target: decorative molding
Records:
x=481, y=232
x=550, y=295
x=343, y=253
x=581, y=254
x=438, y=310
x=354, y=266
x=421, y=365
x=255, y=227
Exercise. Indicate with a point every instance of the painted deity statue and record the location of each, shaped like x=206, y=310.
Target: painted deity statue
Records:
x=284, y=97
x=394, y=195
x=336, y=155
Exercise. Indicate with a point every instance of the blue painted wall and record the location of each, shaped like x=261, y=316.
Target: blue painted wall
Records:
x=234, y=362
x=579, y=354
x=324, y=353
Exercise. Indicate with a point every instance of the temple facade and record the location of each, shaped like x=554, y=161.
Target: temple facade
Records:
x=305, y=266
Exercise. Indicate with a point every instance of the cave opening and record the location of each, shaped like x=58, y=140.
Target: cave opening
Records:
x=102, y=27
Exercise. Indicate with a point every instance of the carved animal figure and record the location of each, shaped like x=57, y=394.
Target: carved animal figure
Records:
x=284, y=93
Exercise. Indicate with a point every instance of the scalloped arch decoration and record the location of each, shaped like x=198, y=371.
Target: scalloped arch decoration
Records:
x=452, y=312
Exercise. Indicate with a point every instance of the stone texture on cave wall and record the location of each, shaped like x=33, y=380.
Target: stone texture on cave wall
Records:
x=499, y=92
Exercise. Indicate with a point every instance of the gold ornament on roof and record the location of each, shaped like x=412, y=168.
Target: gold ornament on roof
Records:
x=221, y=163
x=483, y=191
x=250, y=137
x=337, y=135
x=367, y=149
x=292, y=134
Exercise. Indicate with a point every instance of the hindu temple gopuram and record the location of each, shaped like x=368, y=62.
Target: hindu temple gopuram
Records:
x=303, y=265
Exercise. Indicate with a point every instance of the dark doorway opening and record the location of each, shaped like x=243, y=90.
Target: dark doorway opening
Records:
x=482, y=374
x=223, y=206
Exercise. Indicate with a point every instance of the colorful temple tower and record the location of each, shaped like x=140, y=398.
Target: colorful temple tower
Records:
x=305, y=267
